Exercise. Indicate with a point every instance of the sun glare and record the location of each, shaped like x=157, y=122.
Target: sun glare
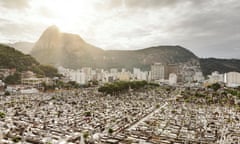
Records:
x=67, y=12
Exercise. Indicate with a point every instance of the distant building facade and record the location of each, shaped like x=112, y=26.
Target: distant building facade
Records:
x=232, y=79
x=157, y=71
x=198, y=77
x=78, y=76
x=172, y=79
x=216, y=77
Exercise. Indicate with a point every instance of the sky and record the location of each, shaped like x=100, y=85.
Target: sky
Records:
x=209, y=28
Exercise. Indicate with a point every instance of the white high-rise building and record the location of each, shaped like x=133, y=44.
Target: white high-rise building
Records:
x=172, y=79
x=232, y=79
x=78, y=76
x=215, y=77
x=124, y=76
x=198, y=76
x=157, y=71
x=144, y=76
x=87, y=71
x=137, y=73
x=140, y=75
x=108, y=77
x=124, y=70
x=113, y=70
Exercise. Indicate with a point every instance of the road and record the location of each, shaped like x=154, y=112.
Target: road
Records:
x=146, y=117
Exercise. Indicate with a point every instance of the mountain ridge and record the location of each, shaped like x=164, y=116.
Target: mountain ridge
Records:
x=70, y=50
x=210, y=65
x=24, y=47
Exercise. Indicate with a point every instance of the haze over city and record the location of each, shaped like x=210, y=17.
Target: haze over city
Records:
x=209, y=28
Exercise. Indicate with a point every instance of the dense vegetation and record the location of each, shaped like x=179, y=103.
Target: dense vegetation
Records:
x=2, y=115
x=60, y=85
x=143, y=58
x=215, y=86
x=214, y=94
x=13, y=79
x=210, y=65
x=49, y=71
x=11, y=58
x=123, y=86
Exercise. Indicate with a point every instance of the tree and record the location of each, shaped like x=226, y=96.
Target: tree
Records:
x=85, y=136
x=37, y=70
x=95, y=82
x=2, y=115
x=110, y=131
x=13, y=79
x=87, y=114
x=73, y=84
x=16, y=139
x=7, y=93
x=215, y=86
x=49, y=71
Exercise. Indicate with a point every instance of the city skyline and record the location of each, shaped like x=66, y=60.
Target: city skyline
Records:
x=208, y=28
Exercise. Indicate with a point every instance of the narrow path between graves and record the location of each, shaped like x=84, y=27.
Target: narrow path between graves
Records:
x=146, y=117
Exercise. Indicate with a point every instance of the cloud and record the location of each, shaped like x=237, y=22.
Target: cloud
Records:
x=212, y=31
x=140, y=3
x=14, y=4
x=11, y=31
x=207, y=27
x=3, y=22
x=46, y=12
x=150, y=4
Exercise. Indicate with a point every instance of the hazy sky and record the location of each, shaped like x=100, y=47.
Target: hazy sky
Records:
x=210, y=28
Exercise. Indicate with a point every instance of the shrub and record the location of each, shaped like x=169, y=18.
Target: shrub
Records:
x=110, y=131
x=2, y=115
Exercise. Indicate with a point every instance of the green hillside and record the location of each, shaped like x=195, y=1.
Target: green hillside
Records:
x=12, y=58
x=210, y=65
